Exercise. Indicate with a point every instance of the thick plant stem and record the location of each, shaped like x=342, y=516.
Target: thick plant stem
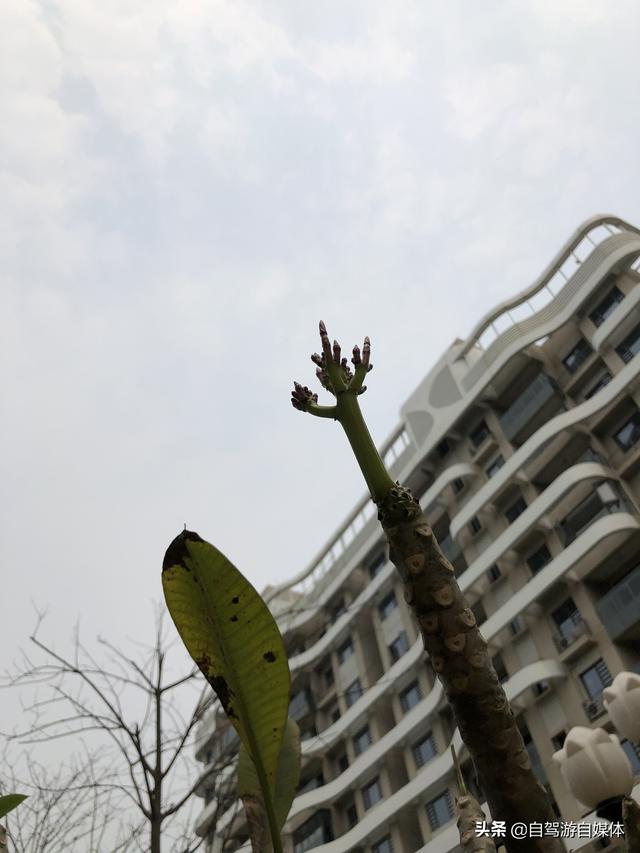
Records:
x=458, y=655
x=631, y=818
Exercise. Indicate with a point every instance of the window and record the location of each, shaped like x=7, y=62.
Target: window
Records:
x=596, y=678
x=516, y=626
x=557, y=741
x=377, y=564
x=605, y=379
x=362, y=740
x=566, y=617
x=345, y=651
x=515, y=510
x=630, y=346
x=353, y=693
x=399, y=646
x=372, y=793
x=343, y=762
x=351, y=813
x=608, y=304
x=384, y=846
x=313, y=832
x=410, y=697
x=424, y=750
x=633, y=754
x=443, y=448
x=440, y=810
x=328, y=676
x=539, y=559
x=577, y=356
x=311, y=784
x=494, y=573
x=334, y=714
x=337, y=610
x=629, y=434
x=479, y=433
x=475, y=525
x=501, y=671
x=388, y=605
x=495, y=466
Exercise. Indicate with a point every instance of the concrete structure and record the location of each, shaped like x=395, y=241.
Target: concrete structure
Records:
x=523, y=446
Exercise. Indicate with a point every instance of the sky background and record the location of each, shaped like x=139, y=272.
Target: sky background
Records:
x=187, y=188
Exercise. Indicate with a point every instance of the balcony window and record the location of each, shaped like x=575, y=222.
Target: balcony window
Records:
x=337, y=610
x=539, y=559
x=630, y=346
x=424, y=750
x=334, y=714
x=604, y=380
x=353, y=693
x=384, y=846
x=577, y=356
x=377, y=564
x=501, y=670
x=311, y=784
x=596, y=678
x=613, y=298
x=313, y=832
x=362, y=740
x=328, y=676
x=516, y=509
x=343, y=762
x=351, y=813
x=345, y=651
x=301, y=703
x=567, y=619
x=443, y=448
x=516, y=626
x=629, y=434
x=372, y=793
x=440, y=810
x=475, y=525
x=410, y=697
x=388, y=605
x=633, y=754
x=557, y=741
x=495, y=466
x=479, y=433
x=494, y=573
x=458, y=485
x=399, y=646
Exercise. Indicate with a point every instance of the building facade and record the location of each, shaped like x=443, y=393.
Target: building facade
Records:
x=523, y=446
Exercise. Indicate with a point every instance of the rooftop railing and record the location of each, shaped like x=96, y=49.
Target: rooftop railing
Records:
x=549, y=283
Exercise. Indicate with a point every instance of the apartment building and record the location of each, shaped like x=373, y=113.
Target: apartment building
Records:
x=523, y=446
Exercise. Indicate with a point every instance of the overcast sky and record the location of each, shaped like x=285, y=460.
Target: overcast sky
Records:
x=187, y=188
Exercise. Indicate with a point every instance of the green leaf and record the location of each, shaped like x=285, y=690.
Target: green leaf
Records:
x=287, y=778
x=233, y=638
x=9, y=802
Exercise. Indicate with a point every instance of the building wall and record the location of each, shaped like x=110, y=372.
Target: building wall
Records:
x=540, y=520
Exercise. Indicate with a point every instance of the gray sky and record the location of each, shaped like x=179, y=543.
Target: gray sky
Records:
x=188, y=187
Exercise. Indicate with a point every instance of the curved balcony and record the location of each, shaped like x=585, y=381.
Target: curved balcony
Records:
x=566, y=262
x=619, y=322
x=557, y=312
x=619, y=385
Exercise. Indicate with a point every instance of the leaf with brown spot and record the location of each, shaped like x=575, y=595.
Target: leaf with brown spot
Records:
x=213, y=605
